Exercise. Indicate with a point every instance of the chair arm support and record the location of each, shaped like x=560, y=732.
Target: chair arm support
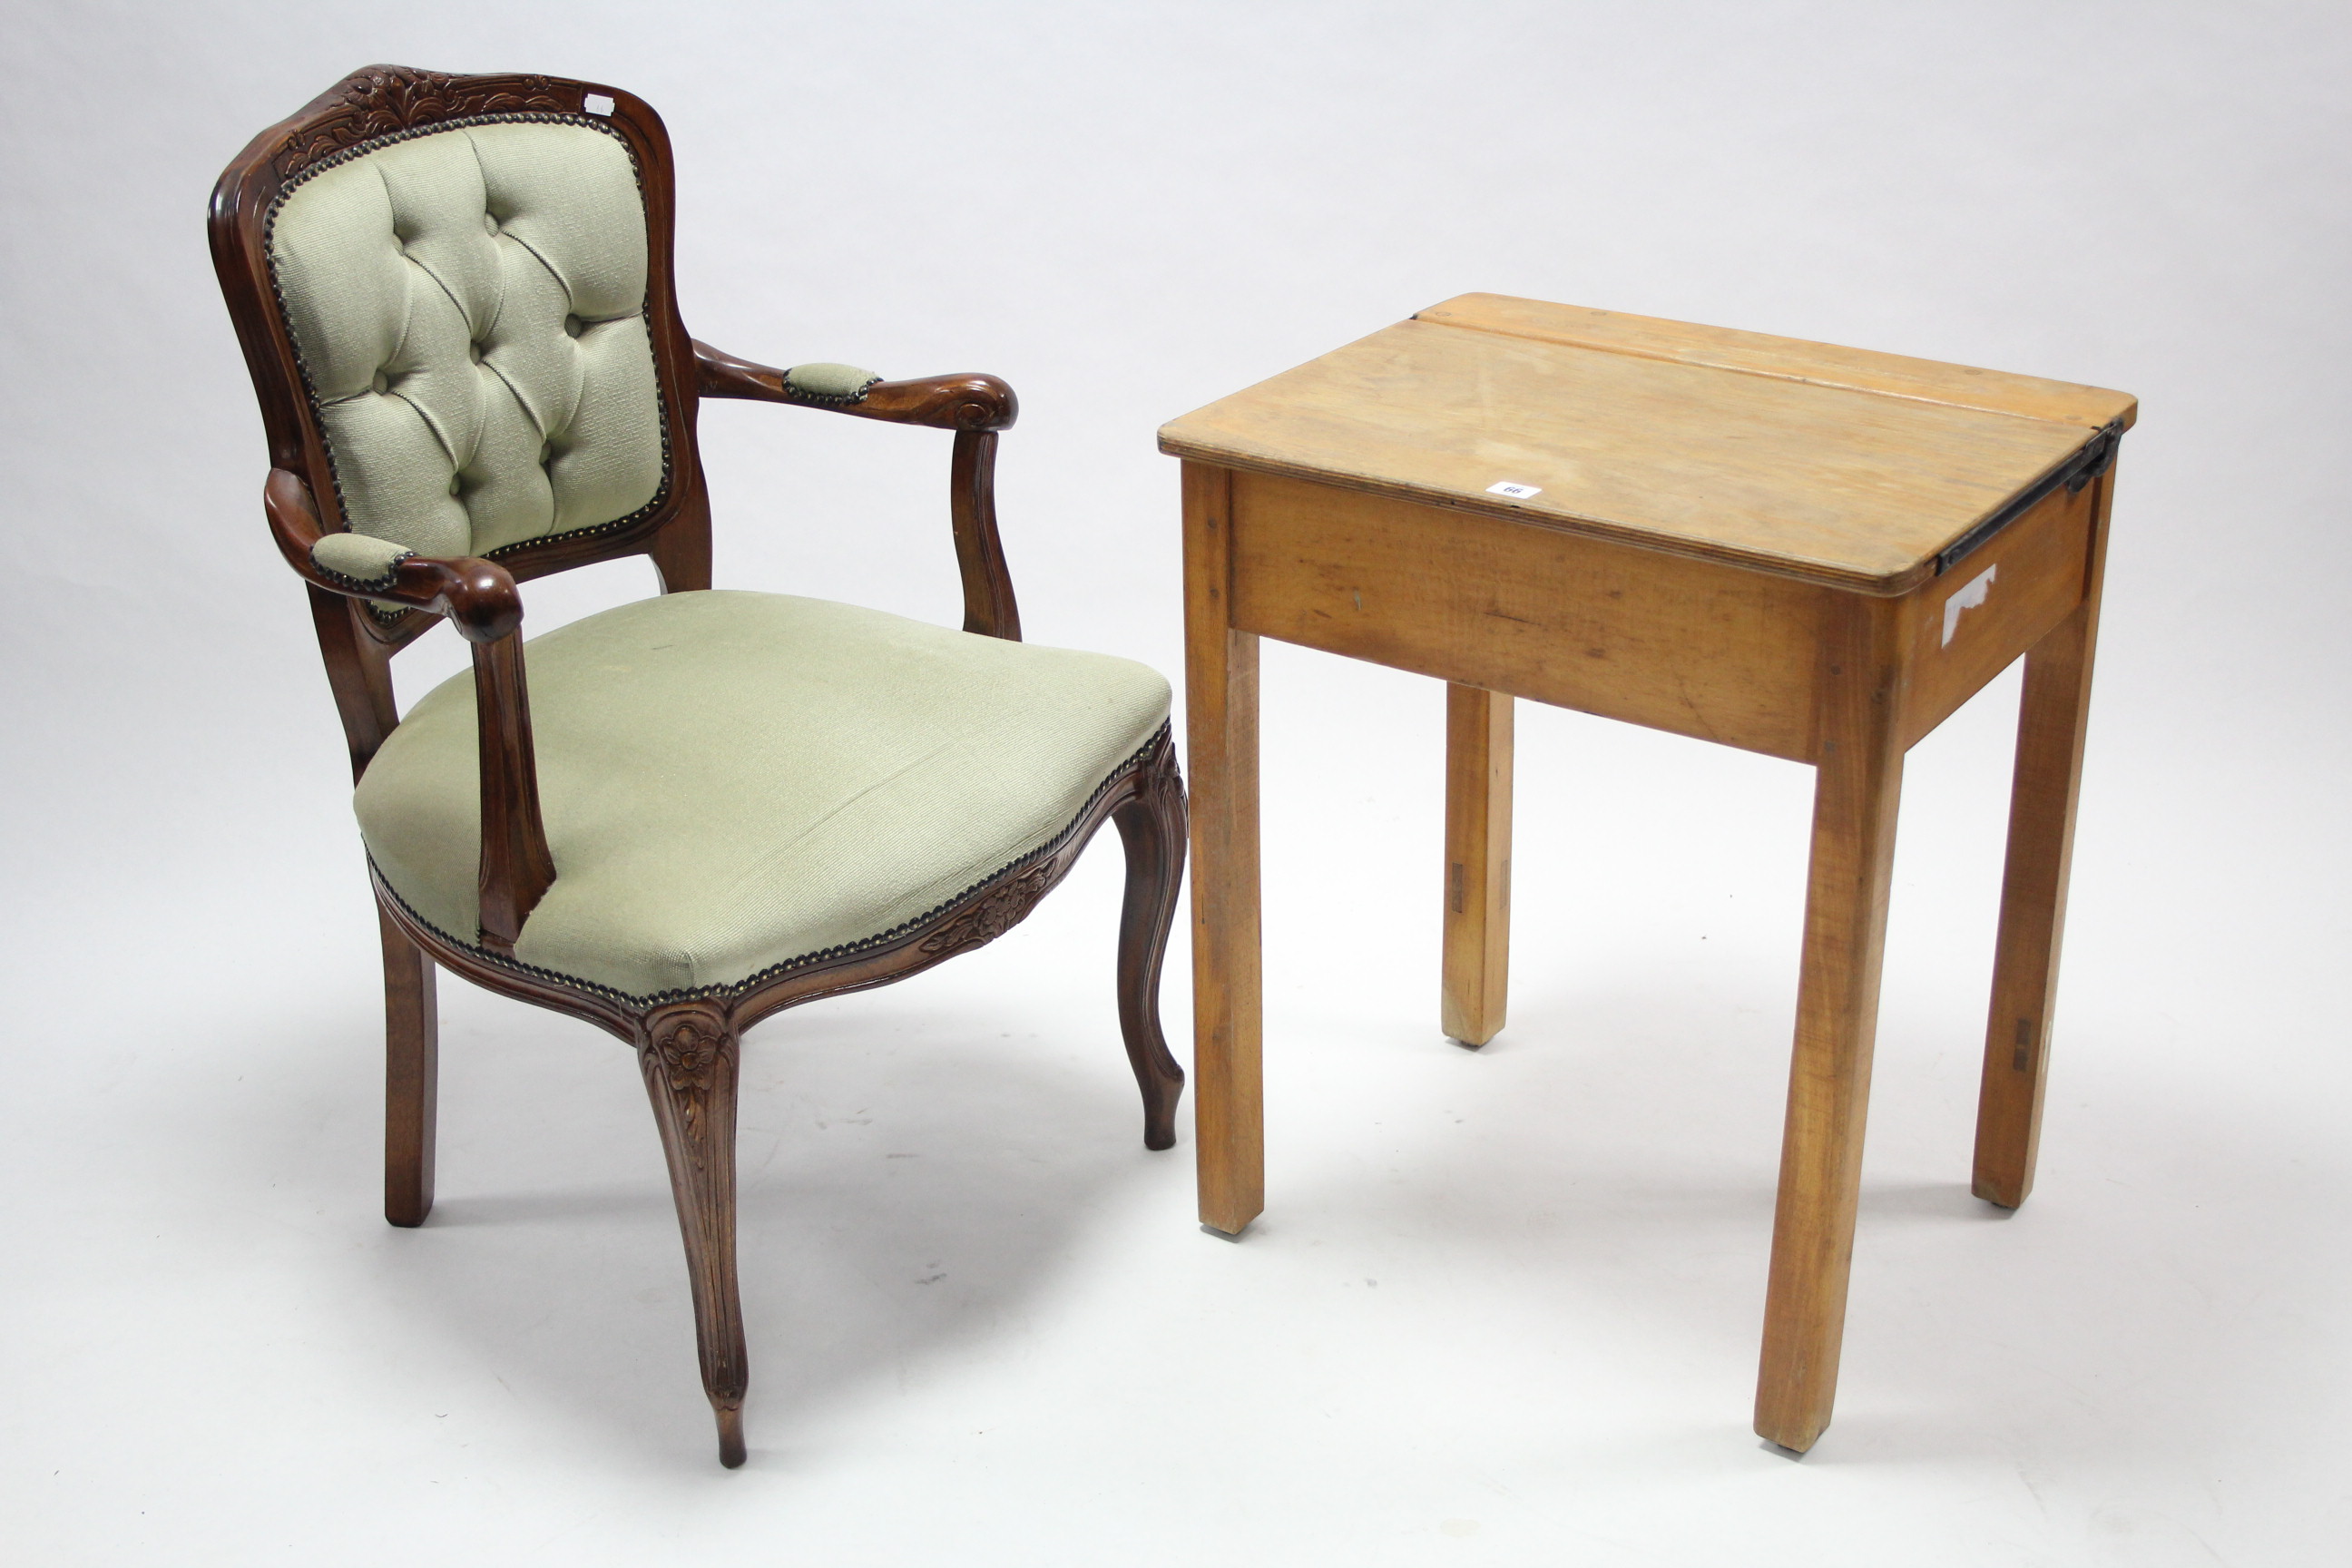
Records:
x=989, y=606
x=479, y=597
x=972, y=402
x=974, y=406
x=516, y=867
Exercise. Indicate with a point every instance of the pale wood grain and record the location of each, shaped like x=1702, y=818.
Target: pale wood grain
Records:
x=1477, y=948
x=1826, y=484
x=2038, y=564
x=1735, y=538
x=1856, y=793
x=1221, y=710
x=2053, y=717
x=1692, y=647
x=1789, y=359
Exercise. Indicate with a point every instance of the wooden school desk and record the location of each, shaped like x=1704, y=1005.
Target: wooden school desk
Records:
x=1810, y=552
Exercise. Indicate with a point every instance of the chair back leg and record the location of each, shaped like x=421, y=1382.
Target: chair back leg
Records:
x=1152, y=825
x=411, y=1072
x=689, y=1054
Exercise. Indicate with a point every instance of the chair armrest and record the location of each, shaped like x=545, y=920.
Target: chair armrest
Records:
x=972, y=402
x=479, y=597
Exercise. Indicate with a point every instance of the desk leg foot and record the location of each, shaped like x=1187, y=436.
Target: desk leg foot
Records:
x=1855, y=799
x=1221, y=721
x=2050, y=726
x=1477, y=863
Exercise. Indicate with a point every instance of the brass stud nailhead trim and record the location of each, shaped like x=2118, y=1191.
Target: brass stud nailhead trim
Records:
x=724, y=993
x=310, y=389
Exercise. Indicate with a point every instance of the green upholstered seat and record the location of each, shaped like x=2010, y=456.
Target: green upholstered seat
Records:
x=737, y=782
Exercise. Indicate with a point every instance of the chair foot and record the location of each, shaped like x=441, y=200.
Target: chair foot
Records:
x=730, y=1435
x=1151, y=825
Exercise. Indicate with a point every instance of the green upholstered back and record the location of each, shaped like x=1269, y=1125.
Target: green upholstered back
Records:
x=469, y=308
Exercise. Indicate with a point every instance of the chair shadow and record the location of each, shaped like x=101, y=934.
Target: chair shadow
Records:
x=908, y=1184
x=508, y=1210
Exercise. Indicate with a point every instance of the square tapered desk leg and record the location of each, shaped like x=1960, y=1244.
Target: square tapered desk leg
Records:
x=2053, y=714
x=1857, y=785
x=1221, y=717
x=1477, y=863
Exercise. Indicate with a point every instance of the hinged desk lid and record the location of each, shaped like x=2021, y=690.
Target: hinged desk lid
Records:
x=1839, y=465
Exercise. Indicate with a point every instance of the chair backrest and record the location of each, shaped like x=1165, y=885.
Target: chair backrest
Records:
x=454, y=294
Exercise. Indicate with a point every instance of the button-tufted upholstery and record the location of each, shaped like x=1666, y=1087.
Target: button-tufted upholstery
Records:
x=469, y=310
x=733, y=781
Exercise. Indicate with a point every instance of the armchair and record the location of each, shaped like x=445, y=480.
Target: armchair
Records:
x=454, y=297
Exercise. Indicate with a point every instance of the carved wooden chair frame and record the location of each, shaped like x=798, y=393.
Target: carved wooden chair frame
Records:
x=688, y=1049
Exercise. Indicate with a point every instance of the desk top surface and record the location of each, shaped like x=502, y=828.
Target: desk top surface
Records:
x=1836, y=464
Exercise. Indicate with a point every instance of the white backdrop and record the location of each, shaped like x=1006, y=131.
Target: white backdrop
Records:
x=1503, y=1306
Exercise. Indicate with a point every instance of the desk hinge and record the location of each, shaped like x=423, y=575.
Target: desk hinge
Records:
x=2098, y=455
x=2090, y=459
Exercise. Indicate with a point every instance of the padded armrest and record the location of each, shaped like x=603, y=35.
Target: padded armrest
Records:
x=971, y=402
x=365, y=563
x=479, y=597
x=824, y=383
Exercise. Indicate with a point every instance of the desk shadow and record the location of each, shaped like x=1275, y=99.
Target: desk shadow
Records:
x=1948, y=1201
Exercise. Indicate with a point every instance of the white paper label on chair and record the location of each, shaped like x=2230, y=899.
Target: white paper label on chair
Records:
x=1516, y=492
x=597, y=103
x=1970, y=595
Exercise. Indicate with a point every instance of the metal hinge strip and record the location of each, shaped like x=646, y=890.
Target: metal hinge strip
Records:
x=2094, y=457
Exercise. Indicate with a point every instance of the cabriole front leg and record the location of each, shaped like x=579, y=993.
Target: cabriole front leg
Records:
x=691, y=1054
